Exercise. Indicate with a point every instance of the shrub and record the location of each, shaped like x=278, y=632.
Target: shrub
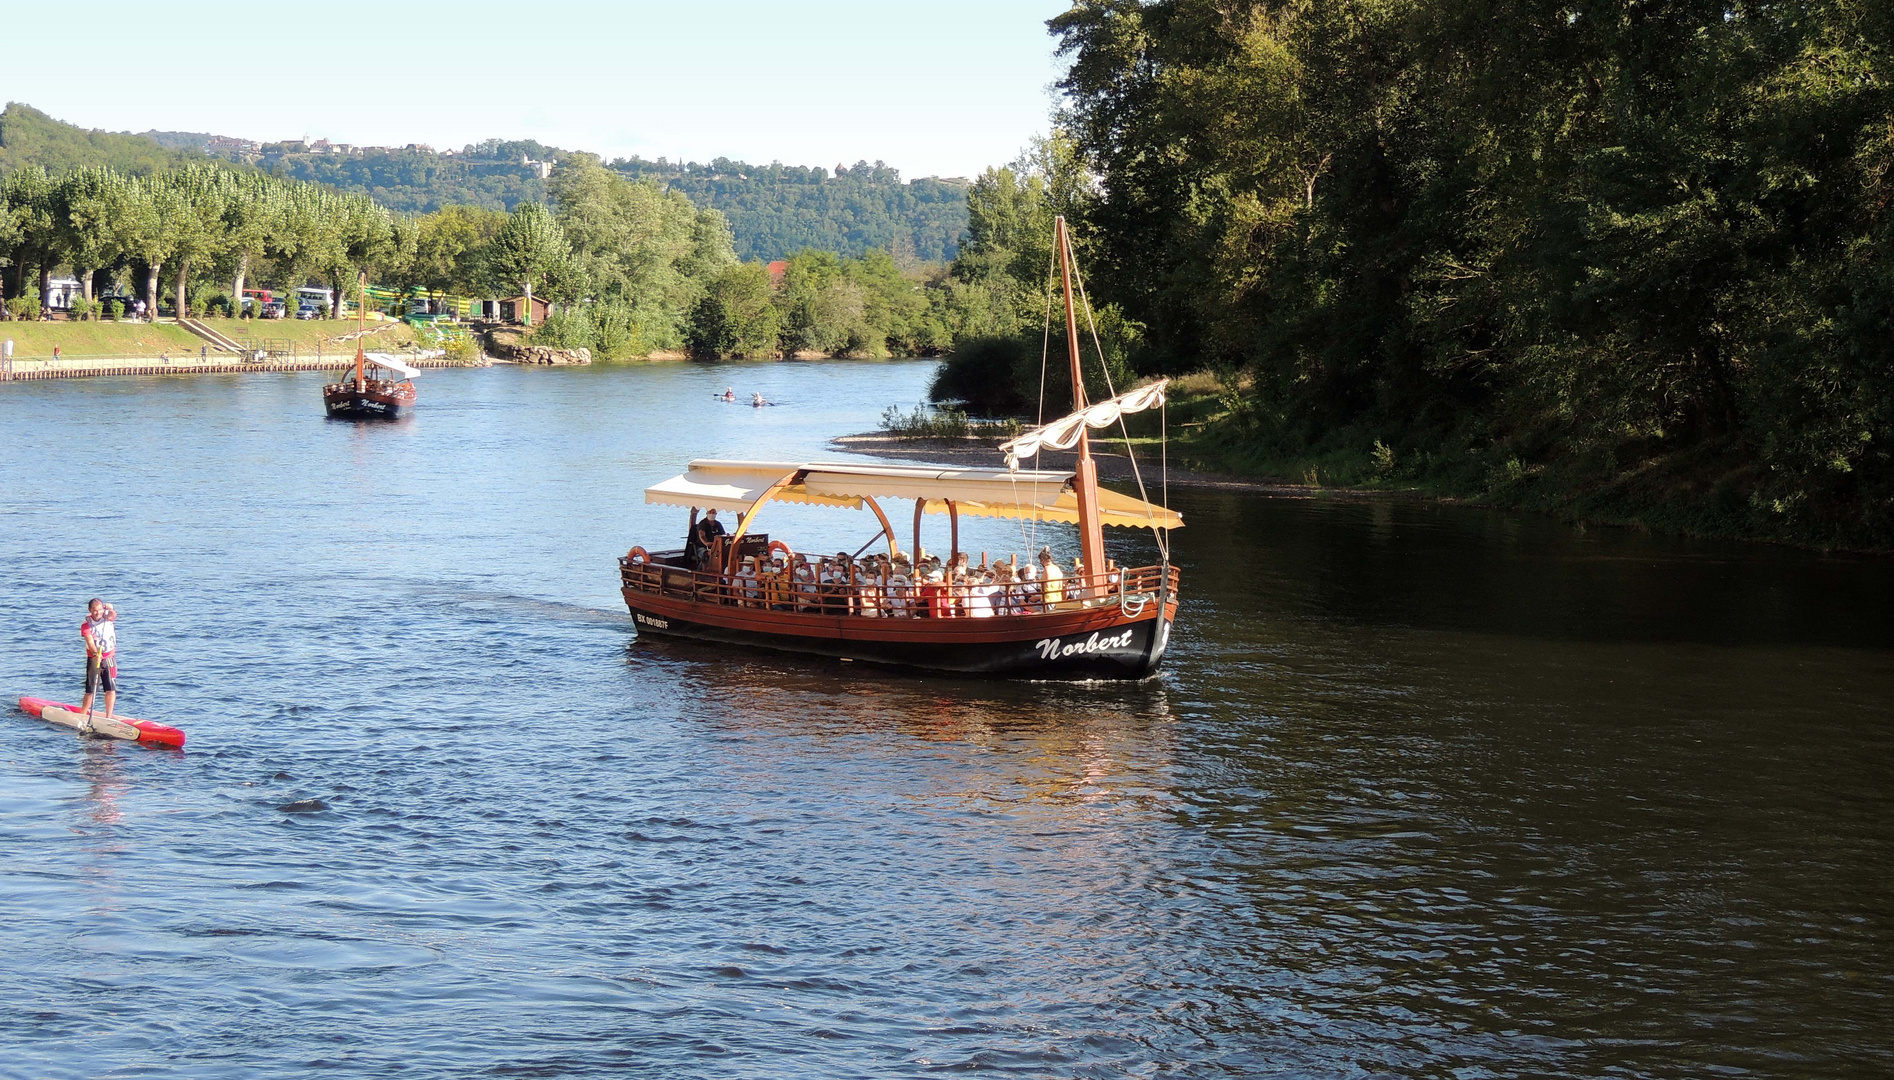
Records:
x=941, y=422
x=25, y=308
x=981, y=373
x=81, y=308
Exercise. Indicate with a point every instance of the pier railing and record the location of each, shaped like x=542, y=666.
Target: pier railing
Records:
x=1130, y=589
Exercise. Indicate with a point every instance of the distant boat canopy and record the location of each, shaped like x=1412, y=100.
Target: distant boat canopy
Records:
x=742, y=486
x=387, y=360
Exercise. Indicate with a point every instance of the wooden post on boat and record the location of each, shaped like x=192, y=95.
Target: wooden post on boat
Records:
x=1085, y=483
x=361, y=326
x=953, y=536
x=920, y=506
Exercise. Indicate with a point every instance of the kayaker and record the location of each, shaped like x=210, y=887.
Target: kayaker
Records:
x=99, y=631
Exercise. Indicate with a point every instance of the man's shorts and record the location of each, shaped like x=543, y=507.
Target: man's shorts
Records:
x=100, y=676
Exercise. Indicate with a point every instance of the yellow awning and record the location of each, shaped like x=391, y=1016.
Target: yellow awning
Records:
x=1029, y=495
x=736, y=486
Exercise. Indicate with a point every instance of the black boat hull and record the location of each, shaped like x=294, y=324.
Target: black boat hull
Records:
x=362, y=407
x=1128, y=650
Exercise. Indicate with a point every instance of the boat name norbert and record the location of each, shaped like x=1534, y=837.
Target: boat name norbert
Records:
x=1051, y=649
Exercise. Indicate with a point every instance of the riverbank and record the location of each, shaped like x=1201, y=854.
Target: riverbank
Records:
x=1664, y=498
x=166, y=339
x=983, y=451
x=212, y=364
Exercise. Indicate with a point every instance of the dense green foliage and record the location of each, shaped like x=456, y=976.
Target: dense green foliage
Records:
x=206, y=225
x=773, y=210
x=998, y=302
x=29, y=138
x=1608, y=254
x=628, y=261
x=489, y=175
x=778, y=209
x=824, y=305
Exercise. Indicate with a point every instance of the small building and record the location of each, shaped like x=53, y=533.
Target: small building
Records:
x=511, y=309
x=777, y=270
x=61, y=291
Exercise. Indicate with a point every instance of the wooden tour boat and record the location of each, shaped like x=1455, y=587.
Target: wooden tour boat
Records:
x=356, y=396
x=1108, y=623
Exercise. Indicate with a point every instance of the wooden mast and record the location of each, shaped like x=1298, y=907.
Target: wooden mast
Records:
x=1085, y=484
x=361, y=317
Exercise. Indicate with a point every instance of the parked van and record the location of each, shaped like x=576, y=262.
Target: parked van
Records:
x=311, y=301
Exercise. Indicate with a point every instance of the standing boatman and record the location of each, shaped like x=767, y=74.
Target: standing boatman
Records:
x=100, y=633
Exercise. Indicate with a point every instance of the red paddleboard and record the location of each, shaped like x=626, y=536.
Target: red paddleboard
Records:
x=120, y=727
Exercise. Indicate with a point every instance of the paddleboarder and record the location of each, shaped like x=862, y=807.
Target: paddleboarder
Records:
x=99, y=631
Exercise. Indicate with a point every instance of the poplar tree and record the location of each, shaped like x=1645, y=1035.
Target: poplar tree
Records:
x=529, y=250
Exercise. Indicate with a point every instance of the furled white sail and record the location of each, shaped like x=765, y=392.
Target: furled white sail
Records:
x=1063, y=434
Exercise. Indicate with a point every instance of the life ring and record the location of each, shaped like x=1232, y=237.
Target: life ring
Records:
x=637, y=556
x=789, y=555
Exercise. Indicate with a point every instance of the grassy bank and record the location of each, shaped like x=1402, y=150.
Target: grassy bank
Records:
x=307, y=334
x=37, y=339
x=127, y=339
x=1705, y=489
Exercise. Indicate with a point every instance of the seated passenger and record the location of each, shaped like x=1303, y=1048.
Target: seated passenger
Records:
x=836, y=579
x=980, y=592
x=748, y=583
x=1078, y=584
x=1031, y=600
x=1054, y=588
x=900, y=585
x=776, y=589
x=1006, y=594
x=805, y=586
x=867, y=588
x=932, y=597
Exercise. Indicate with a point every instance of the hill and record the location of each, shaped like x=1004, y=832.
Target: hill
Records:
x=30, y=137
x=774, y=210
x=777, y=210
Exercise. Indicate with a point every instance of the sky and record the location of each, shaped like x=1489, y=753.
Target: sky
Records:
x=934, y=89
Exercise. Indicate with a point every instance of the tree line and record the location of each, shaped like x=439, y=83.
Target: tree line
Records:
x=1610, y=254
x=776, y=210
x=202, y=233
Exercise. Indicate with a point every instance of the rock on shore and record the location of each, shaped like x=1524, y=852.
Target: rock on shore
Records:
x=508, y=348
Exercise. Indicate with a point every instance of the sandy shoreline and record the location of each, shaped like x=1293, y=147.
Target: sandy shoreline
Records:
x=977, y=451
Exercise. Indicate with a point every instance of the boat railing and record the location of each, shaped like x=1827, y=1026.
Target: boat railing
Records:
x=1132, y=589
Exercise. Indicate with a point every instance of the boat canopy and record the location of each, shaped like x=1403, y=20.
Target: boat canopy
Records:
x=387, y=360
x=740, y=486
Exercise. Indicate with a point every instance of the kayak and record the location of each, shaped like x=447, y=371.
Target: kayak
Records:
x=118, y=727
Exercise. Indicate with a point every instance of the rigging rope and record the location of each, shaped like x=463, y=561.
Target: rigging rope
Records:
x=1029, y=527
x=1163, y=543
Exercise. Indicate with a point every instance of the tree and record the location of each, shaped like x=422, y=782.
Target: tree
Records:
x=198, y=234
x=639, y=245
x=253, y=214
x=1590, y=244
x=735, y=317
x=146, y=215
x=447, y=245
x=308, y=239
x=31, y=197
x=529, y=250
x=363, y=240
x=87, y=197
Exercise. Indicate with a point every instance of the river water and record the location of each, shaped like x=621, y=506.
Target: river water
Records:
x=1424, y=791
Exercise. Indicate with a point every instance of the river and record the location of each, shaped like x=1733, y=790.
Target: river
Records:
x=1424, y=791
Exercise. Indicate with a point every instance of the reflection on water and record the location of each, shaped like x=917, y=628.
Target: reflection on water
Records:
x=1424, y=791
